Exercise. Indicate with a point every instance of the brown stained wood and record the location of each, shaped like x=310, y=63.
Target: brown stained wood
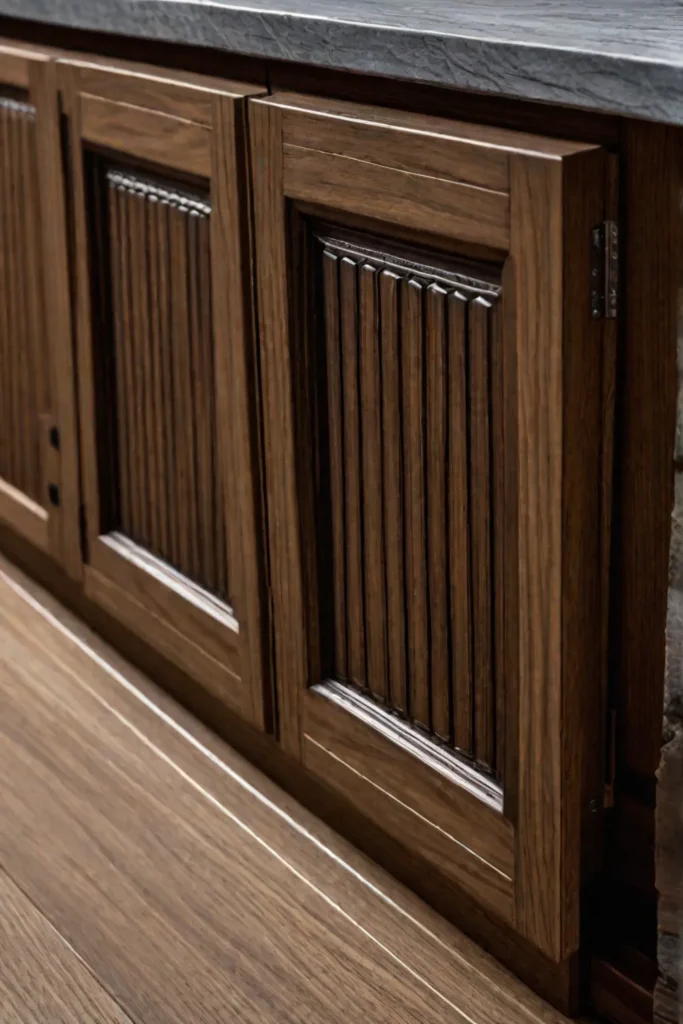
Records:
x=156, y=343
x=201, y=379
x=389, y=285
x=182, y=95
x=414, y=495
x=40, y=975
x=348, y=299
x=458, y=524
x=462, y=836
x=136, y=346
x=409, y=142
x=65, y=540
x=182, y=388
x=371, y=433
x=23, y=515
x=436, y=379
x=499, y=536
x=25, y=364
x=336, y=436
x=112, y=761
x=480, y=530
x=399, y=113
x=372, y=190
x=238, y=427
x=123, y=443
x=265, y=132
x=171, y=451
x=216, y=514
x=147, y=134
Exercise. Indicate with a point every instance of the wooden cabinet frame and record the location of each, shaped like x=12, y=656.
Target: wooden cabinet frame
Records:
x=185, y=125
x=51, y=524
x=517, y=848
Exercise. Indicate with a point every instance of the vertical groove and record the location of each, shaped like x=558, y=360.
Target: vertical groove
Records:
x=336, y=434
x=458, y=520
x=24, y=361
x=352, y=475
x=172, y=551
x=498, y=531
x=392, y=436
x=480, y=529
x=121, y=370
x=416, y=567
x=171, y=493
x=202, y=413
x=371, y=418
x=436, y=506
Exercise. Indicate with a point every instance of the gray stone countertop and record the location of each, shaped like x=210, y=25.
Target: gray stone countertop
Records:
x=620, y=56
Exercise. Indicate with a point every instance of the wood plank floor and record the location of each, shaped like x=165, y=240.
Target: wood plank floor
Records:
x=149, y=874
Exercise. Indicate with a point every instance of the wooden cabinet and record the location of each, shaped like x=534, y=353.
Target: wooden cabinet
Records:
x=38, y=469
x=434, y=375
x=167, y=403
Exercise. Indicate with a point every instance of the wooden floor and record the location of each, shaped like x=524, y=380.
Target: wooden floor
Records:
x=149, y=874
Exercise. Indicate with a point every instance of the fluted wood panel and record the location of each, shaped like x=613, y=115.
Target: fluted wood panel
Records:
x=414, y=398
x=24, y=365
x=167, y=479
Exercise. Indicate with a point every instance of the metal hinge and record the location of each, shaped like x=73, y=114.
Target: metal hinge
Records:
x=605, y=270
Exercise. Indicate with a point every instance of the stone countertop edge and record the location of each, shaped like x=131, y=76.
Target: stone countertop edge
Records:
x=644, y=86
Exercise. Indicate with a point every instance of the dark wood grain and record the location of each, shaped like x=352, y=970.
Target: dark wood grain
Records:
x=373, y=538
x=414, y=481
x=436, y=465
x=336, y=436
x=392, y=461
x=348, y=299
x=23, y=356
x=458, y=523
x=480, y=530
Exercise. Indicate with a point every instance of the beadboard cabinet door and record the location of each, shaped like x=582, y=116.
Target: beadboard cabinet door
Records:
x=38, y=467
x=434, y=383
x=166, y=388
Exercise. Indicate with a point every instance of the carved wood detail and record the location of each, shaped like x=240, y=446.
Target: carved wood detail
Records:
x=24, y=359
x=412, y=377
x=165, y=491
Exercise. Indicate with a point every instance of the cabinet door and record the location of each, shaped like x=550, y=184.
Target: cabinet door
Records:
x=432, y=381
x=38, y=469
x=167, y=404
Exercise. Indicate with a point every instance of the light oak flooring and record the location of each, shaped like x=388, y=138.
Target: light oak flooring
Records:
x=149, y=874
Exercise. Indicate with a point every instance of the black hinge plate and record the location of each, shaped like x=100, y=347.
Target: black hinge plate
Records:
x=605, y=270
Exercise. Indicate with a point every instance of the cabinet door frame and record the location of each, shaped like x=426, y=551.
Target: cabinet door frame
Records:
x=535, y=200
x=53, y=526
x=194, y=125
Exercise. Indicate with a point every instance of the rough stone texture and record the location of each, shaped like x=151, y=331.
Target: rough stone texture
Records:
x=623, y=56
x=668, y=1008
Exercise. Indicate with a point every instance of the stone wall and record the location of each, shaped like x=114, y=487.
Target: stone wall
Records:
x=669, y=817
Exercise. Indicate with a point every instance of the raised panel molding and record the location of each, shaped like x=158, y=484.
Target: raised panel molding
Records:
x=25, y=392
x=412, y=350
x=166, y=485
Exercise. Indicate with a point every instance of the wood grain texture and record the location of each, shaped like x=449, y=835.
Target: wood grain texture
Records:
x=458, y=524
x=559, y=635
x=417, y=201
x=265, y=130
x=40, y=975
x=350, y=348
x=26, y=387
x=463, y=836
x=180, y=94
x=153, y=818
x=147, y=134
x=401, y=330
